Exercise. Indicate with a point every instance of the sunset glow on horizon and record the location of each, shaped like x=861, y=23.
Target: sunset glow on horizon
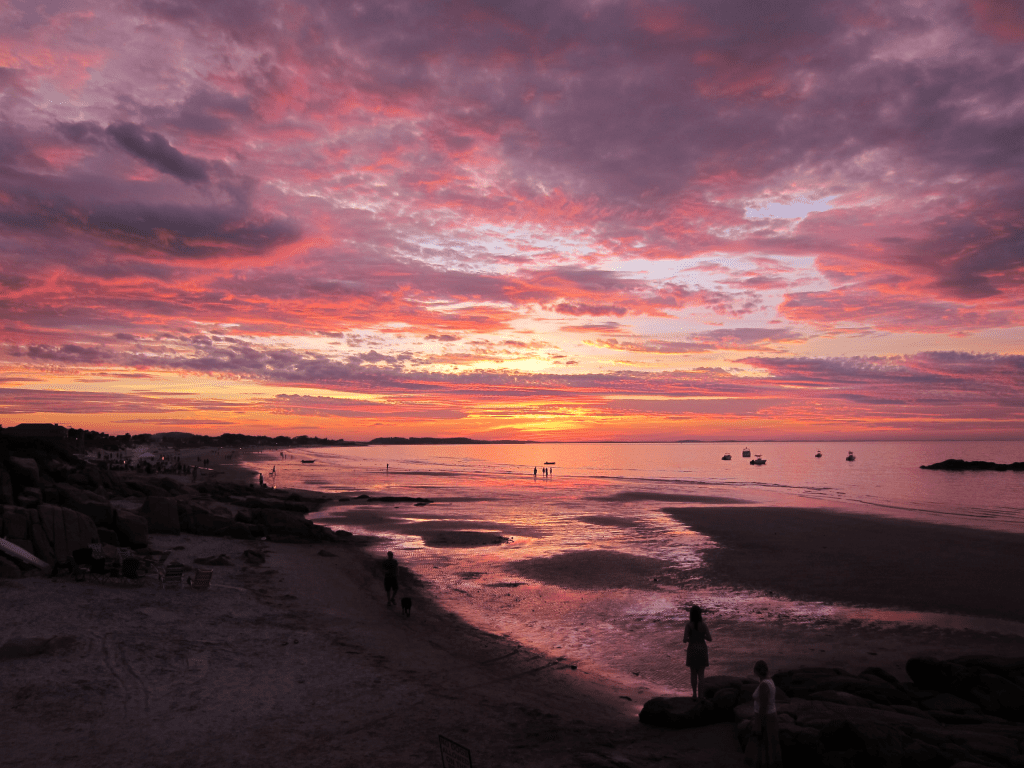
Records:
x=562, y=220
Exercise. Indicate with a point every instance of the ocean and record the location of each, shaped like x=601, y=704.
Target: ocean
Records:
x=561, y=561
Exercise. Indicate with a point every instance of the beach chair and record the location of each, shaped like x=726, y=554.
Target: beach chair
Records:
x=130, y=571
x=171, y=575
x=123, y=553
x=201, y=580
x=151, y=564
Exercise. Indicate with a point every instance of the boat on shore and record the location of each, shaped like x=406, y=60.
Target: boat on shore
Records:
x=758, y=461
x=308, y=461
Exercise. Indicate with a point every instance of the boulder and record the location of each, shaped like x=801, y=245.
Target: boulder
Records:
x=947, y=702
x=254, y=502
x=41, y=546
x=16, y=522
x=279, y=523
x=725, y=699
x=30, y=497
x=87, y=502
x=146, y=489
x=161, y=513
x=132, y=530
x=6, y=487
x=864, y=743
x=802, y=683
x=64, y=530
x=206, y=524
x=79, y=530
x=998, y=696
x=995, y=694
x=51, y=518
x=842, y=697
x=24, y=472
x=680, y=712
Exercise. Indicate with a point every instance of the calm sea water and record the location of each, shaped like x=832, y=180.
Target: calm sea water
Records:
x=588, y=610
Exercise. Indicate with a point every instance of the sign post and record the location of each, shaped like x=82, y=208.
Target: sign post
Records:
x=454, y=755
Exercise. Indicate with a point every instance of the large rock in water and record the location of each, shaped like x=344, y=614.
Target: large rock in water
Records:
x=161, y=513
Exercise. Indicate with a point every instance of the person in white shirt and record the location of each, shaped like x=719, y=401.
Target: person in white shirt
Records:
x=763, y=748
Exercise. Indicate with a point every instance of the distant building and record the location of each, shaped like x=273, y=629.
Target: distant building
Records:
x=44, y=431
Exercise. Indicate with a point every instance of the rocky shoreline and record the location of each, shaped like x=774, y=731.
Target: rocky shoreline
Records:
x=964, y=712
x=54, y=504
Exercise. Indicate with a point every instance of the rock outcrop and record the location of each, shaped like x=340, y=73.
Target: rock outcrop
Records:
x=161, y=513
x=955, y=714
x=50, y=532
x=53, y=503
x=959, y=465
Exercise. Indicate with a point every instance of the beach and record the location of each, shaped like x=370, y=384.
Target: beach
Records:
x=299, y=661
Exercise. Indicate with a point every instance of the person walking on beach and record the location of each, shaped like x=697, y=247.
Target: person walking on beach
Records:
x=391, y=577
x=696, y=636
x=763, y=749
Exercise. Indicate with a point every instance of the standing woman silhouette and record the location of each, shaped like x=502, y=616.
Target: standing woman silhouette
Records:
x=696, y=635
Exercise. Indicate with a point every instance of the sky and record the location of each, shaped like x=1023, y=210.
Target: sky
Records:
x=551, y=220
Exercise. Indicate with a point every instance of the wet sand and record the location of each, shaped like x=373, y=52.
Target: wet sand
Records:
x=822, y=555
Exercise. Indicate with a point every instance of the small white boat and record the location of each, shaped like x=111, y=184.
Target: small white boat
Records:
x=851, y=457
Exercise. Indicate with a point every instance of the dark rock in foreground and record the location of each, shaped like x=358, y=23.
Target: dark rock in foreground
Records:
x=959, y=465
x=960, y=713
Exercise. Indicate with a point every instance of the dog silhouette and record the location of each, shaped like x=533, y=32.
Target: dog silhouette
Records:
x=407, y=606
